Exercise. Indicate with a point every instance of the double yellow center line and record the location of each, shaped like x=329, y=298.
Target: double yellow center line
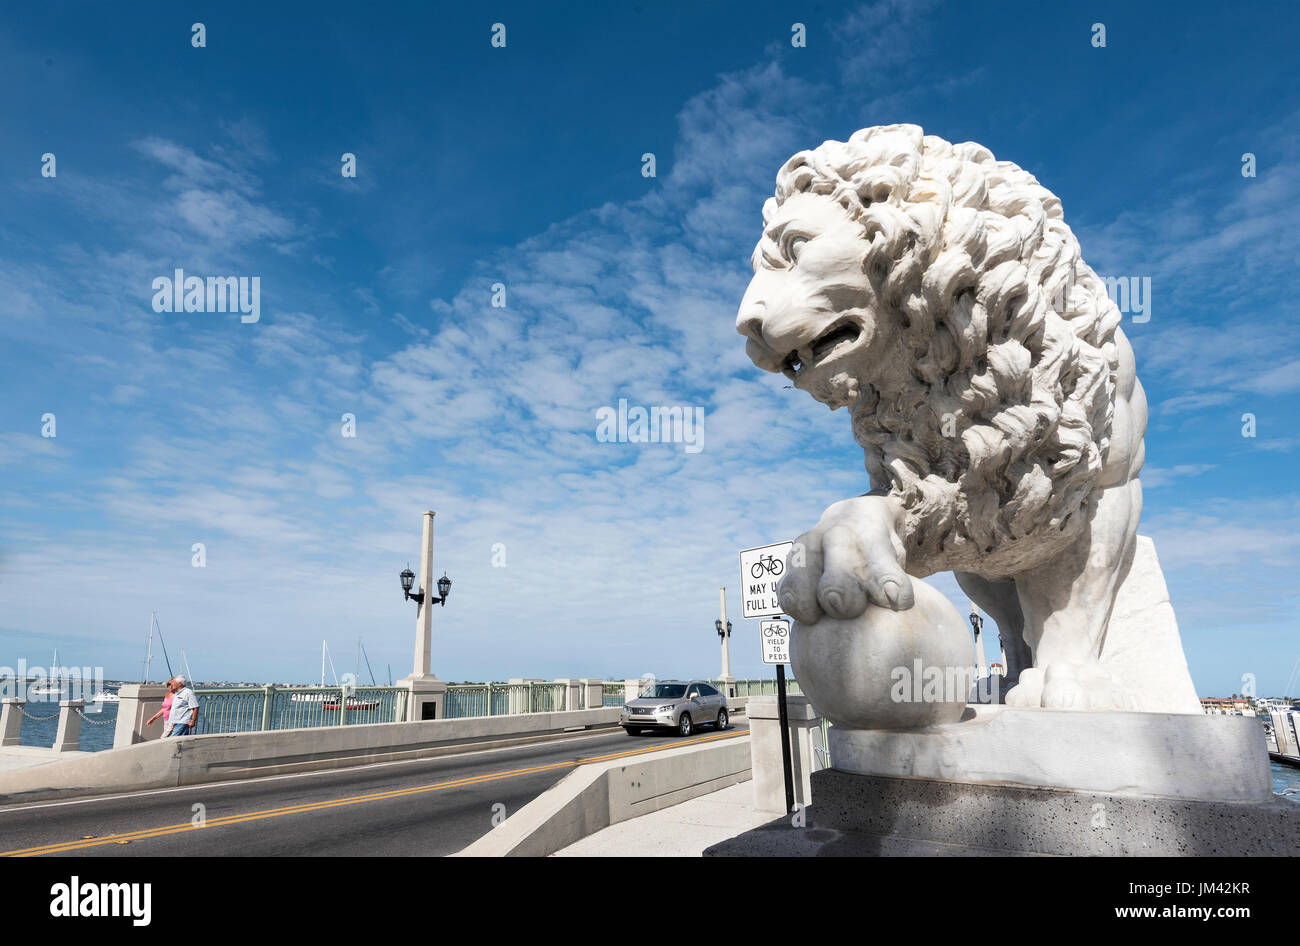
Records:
x=145, y=833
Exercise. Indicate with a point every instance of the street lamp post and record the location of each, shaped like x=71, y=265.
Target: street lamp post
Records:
x=723, y=627
x=977, y=624
x=428, y=693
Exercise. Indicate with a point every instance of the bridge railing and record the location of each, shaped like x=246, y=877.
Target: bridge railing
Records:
x=501, y=699
x=251, y=709
x=255, y=709
x=761, y=687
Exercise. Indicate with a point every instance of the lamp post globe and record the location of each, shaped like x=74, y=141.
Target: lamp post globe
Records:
x=444, y=587
x=408, y=579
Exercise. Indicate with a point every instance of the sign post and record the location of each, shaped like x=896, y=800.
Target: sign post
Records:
x=776, y=650
x=760, y=573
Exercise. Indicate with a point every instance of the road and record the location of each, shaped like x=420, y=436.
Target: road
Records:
x=423, y=807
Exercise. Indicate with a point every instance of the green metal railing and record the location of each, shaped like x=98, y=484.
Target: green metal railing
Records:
x=501, y=699
x=824, y=750
x=257, y=709
x=762, y=687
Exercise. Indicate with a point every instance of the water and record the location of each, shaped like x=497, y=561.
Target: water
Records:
x=93, y=737
x=1286, y=777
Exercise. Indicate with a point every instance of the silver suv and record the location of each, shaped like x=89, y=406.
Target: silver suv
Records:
x=675, y=705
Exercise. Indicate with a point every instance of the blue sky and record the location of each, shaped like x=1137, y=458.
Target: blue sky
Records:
x=522, y=165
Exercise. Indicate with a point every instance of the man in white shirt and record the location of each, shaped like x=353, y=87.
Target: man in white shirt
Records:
x=185, y=709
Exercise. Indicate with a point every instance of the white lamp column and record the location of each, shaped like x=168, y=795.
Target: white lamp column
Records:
x=725, y=678
x=428, y=693
x=981, y=663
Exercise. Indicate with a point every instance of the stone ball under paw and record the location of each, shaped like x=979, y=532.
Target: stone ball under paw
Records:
x=863, y=673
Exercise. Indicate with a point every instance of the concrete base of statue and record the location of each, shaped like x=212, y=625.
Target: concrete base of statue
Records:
x=1172, y=755
x=1006, y=781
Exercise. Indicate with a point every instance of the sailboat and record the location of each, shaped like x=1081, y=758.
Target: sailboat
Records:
x=354, y=702
x=105, y=696
x=52, y=686
x=318, y=697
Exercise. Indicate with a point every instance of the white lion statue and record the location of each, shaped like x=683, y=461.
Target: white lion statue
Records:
x=938, y=294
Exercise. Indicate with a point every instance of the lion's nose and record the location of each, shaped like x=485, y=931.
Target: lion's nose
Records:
x=749, y=322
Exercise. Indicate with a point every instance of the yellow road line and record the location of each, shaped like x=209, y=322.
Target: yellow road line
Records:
x=145, y=833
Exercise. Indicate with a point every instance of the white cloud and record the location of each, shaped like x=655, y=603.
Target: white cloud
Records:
x=1153, y=477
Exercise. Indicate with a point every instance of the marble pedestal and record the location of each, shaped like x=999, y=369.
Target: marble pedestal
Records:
x=1018, y=782
x=1171, y=755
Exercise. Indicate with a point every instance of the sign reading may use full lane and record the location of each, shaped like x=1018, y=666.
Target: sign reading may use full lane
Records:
x=760, y=572
x=776, y=641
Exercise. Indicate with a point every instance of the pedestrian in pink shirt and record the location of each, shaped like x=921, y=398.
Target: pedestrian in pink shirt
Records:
x=166, y=710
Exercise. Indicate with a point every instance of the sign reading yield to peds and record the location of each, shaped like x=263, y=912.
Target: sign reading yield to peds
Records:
x=760, y=572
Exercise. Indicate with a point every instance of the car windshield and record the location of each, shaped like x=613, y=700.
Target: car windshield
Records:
x=661, y=691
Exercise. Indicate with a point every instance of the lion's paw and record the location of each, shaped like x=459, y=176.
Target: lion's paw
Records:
x=848, y=561
x=1086, y=687
x=1028, y=693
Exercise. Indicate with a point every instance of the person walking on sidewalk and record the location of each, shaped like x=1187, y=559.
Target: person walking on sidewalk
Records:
x=184, y=714
x=165, y=712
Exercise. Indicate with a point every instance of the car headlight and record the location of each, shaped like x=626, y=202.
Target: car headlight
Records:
x=626, y=708
x=665, y=709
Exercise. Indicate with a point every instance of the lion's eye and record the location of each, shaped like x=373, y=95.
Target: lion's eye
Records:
x=793, y=246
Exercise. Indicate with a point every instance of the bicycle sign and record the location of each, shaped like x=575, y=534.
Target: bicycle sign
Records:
x=776, y=641
x=760, y=572
x=767, y=565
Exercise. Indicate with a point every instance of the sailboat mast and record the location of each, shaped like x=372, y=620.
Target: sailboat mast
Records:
x=333, y=669
x=322, y=663
x=369, y=669
x=148, y=657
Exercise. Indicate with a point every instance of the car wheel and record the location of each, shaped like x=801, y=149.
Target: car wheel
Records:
x=722, y=719
x=631, y=731
x=684, y=725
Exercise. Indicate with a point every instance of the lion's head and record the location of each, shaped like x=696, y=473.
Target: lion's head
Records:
x=939, y=295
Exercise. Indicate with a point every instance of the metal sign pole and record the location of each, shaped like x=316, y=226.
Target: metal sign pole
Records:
x=785, y=738
x=760, y=571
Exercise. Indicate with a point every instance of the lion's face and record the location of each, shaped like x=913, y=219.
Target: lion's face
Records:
x=807, y=312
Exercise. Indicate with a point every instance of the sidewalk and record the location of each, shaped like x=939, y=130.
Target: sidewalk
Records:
x=683, y=830
x=22, y=757
x=729, y=816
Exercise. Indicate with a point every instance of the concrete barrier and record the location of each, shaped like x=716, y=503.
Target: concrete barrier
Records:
x=191, y=760
x=765, y=745
x=600, y=794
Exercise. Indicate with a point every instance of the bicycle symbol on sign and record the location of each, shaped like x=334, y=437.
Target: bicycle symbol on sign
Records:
x=774, y=630
x=767, y=563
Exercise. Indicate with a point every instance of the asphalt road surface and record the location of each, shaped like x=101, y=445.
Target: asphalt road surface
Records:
x=423, y=807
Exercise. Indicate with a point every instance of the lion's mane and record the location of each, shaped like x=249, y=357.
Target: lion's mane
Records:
x=1001, y=432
